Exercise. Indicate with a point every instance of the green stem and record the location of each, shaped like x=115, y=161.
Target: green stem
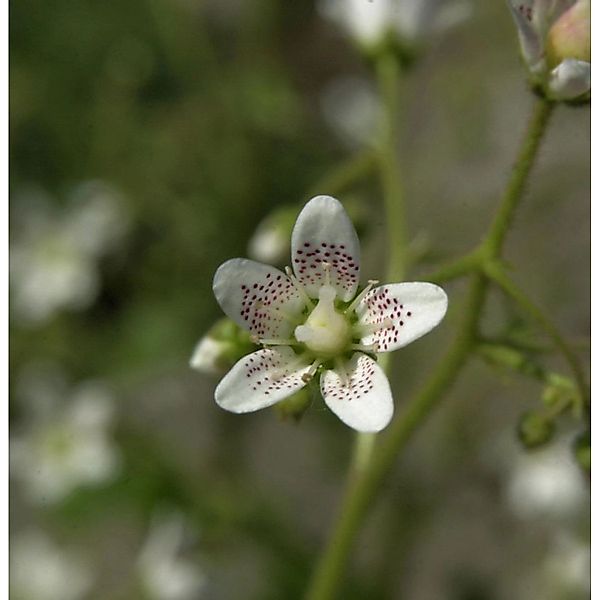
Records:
x=362, y=490
x=497, y=274
x=388, y=77
x=457, y=268
x=516, y=184
x=345, y=174
x=364, y=444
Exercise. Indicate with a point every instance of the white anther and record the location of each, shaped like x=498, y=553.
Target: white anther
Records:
x=306, y=377
x=327, y=268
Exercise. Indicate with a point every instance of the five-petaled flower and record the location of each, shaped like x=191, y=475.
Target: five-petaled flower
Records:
x=312, y=320
x=555, y=43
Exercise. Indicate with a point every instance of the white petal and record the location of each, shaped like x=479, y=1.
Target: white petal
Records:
x=257, y=297
x=405, y=311
x=361, y=397
x=572, y=78
x=324, y=233
x=548, y=11
x=524, y=14
x=261, y=379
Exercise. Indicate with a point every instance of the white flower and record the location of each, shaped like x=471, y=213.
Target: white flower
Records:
x=41, y=571
x=66, y=444
x=555, y=44
x=371, y=21
x=163, y=573
x=546, y=483
x=313, y=321
x=54, y=256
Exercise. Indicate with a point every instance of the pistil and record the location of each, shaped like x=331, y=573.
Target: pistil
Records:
x=326, y=331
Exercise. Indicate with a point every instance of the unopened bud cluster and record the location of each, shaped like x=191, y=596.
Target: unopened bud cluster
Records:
x=555, y=43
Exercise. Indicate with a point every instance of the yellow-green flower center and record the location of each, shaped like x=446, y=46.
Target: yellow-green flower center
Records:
x=326, y=332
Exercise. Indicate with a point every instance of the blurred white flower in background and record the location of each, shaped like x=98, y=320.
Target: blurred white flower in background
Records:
x=65, y=440
x=370, y=22
x=54, y=252
x=164, y=574
x=269, y=242
x=350, y=107
x=566, y=569
x=40, y=570
x=546, y=483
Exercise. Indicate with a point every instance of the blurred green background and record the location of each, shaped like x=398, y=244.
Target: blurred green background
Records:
x=149, y=138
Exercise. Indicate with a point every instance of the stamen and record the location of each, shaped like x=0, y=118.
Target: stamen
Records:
x=369, y=348
x=361, y=296
x=277, y=342
x=306, y=377
x=362, y=329
x=299, y=288
x=327, y=268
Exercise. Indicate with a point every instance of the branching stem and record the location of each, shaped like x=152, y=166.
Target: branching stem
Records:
x=364, y=484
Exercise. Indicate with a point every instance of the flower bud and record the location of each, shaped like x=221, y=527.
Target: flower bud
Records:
x=535, y=430
x=583, y=451
x=569, y=37
x=223, y=345
x=508, y=357
x=555, y=43
x=560, y=392
x=295, y=406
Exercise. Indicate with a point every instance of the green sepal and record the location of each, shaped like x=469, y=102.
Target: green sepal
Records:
x=535, y=430
x=296, y=405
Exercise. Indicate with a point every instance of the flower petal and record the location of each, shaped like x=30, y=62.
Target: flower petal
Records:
x=257, y=297
x=571, y=79
x=324, y=234
x=526, y=16
x=261, y=379
x=404, y=311
x=361, y=397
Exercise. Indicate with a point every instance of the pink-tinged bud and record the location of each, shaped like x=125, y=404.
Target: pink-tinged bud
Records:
x=570, y=35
